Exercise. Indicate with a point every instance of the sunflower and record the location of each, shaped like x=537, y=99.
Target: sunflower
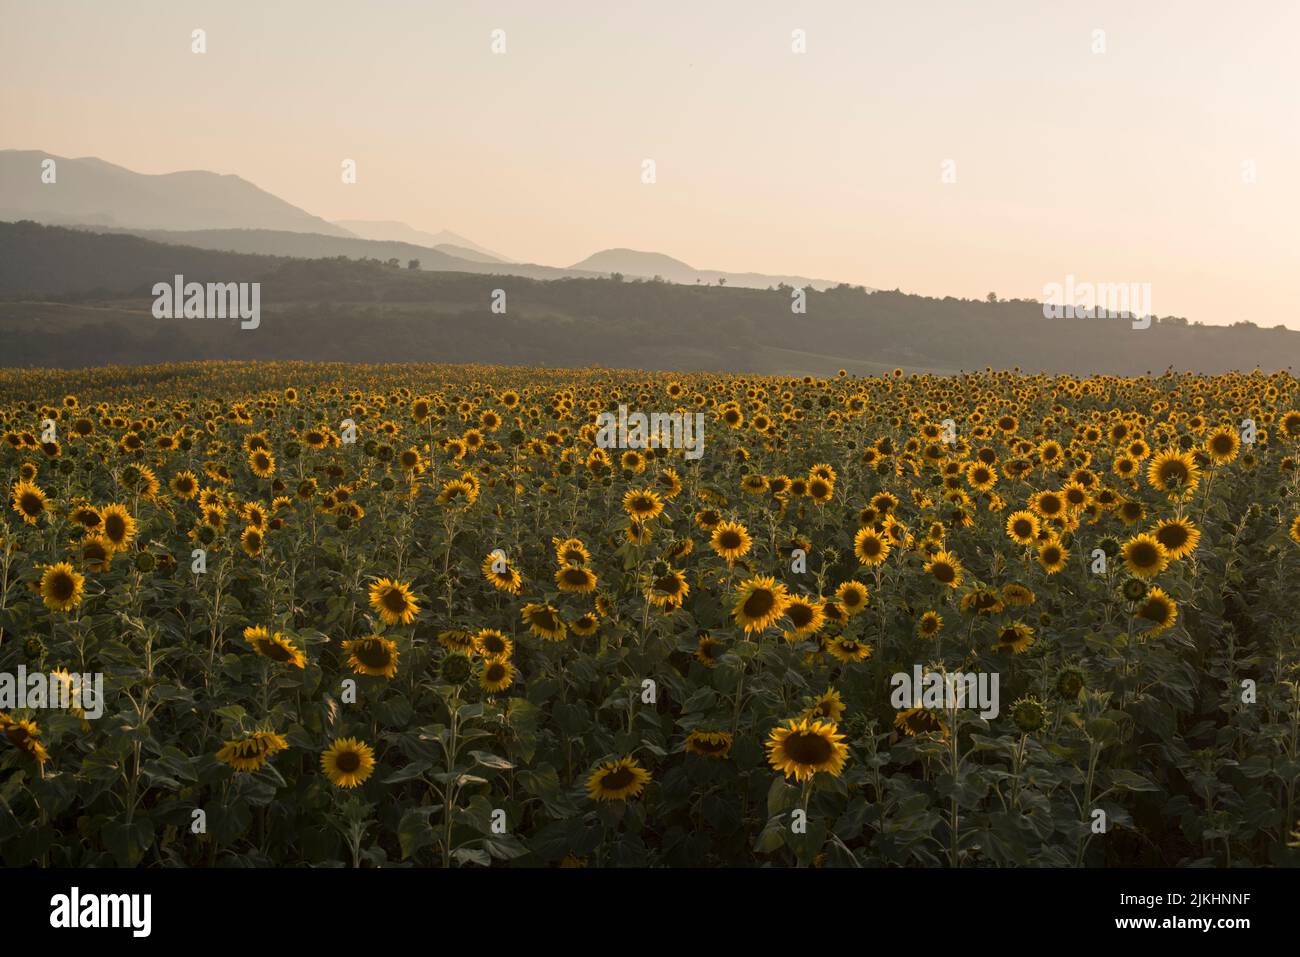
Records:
x=119, y=526
x=708, y=650
x=376, y=656
x=929, y=624
x=275, y=647
x=22, y=734
x=1178, y=536
x=848, y=650
x=501, y=574
x=252, y=751
x=544, y=621
x=1023, y=527
x=1222, y=445
x=497, y=674
x=1144, y=556
x=29, y=501
x=261, y=463
x=851, y=597
x=828, y=706
x=570, y=551
x=585, y=624
x=251, y=541
x=870, y=548
x=393, y=601
x=1048, y=504
x=708, y=518
x=575, y=579
x=709, y=744
x=945, y=568
x=62, y=587
x=1013, y=593
x=1052, y=556
x=87, y=516
x=348, y=762
x=730, y=540
x=642, y=505
x=1174, y=472
x=1159, y=609
x=457, y=493
x=96, y=553
x=457, y=640
x=801, y=747
x=981, y=601
x=617, y=780
x=918, y=720
x=668, y=590
x=820, y=490
x=490, y=643
x=760, y=603
x=806, y=616
x=1015, y=636
x=184, y=485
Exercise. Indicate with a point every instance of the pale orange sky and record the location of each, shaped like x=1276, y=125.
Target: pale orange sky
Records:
x=1124, y=166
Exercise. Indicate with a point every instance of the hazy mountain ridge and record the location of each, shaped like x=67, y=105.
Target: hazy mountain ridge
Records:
x=93, y=192
x=651, y=265
x=390, y=230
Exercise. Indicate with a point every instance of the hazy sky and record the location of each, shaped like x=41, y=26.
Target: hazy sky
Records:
x=1122, y=166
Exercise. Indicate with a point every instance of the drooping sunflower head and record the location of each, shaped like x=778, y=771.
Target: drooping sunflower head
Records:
x=250, y=752
x=1015, y=637
x=275, y=646
x=544, y=621
x=667, y=590
x=576, y=579
x=23, y=733
x=709, y=744
x=828, y=706
x=1158, y=609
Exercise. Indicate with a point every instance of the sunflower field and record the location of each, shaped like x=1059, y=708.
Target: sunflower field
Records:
x=416, y=615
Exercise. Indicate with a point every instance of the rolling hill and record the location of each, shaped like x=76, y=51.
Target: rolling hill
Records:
x=77, y=298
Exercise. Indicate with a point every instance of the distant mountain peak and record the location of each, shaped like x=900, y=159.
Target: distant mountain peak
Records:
x=92, y=191
x=392, y=230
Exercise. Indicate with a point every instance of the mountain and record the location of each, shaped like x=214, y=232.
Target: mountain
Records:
x=71, y=297
x=649, y=265
x=92, y=192
x=389, y=230
x=268, y=242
